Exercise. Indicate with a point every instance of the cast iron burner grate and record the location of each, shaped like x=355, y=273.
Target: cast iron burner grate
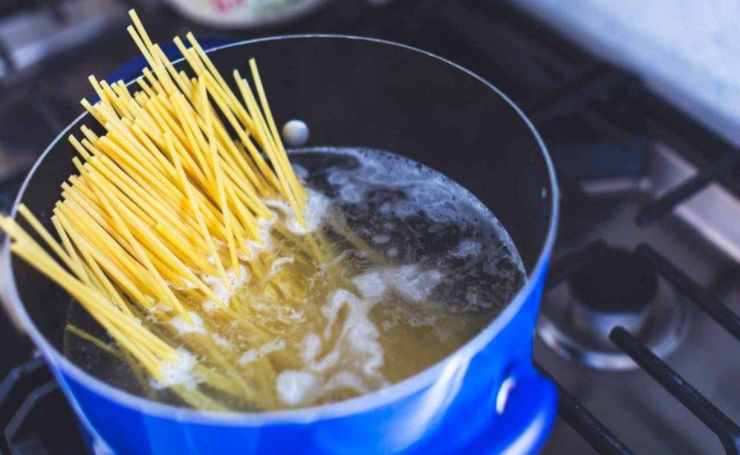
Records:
x=595, y=433
x=572, y=97
x=34, y=415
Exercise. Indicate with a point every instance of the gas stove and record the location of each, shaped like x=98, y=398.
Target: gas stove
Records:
x=638, y=325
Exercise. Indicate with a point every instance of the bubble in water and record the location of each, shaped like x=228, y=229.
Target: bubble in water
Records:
x=467, y=248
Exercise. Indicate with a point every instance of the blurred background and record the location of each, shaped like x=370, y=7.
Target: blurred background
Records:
x=639, y=104
x=686, y=51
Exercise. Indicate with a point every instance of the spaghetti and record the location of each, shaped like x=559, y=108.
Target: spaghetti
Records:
x=223, y=280
x=166, y=221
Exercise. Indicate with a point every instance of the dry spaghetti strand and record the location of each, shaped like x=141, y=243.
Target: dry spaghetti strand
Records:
x=165, y=237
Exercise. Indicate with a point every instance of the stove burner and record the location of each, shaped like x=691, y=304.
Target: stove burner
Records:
x=611, y=287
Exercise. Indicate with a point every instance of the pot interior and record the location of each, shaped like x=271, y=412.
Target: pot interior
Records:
x=351, y=92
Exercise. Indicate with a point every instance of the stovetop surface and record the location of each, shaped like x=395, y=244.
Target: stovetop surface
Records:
x=618, y=150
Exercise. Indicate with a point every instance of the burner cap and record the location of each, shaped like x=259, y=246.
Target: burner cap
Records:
x=614, y=280
x=611, y=287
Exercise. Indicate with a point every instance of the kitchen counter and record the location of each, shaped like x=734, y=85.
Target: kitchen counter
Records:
x=686, y=50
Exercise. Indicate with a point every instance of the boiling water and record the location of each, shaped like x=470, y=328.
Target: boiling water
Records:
x=424, y=267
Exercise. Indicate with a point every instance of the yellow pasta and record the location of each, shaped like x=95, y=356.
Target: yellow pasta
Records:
x=166, y=219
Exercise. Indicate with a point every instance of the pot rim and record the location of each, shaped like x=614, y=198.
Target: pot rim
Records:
x=351, y=406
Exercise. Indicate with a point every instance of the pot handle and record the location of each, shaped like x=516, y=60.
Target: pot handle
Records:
x=526, y=403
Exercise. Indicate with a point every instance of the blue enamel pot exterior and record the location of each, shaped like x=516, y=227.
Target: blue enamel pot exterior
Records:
x=484, y=398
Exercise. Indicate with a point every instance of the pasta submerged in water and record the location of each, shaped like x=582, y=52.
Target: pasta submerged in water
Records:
x=225, y=281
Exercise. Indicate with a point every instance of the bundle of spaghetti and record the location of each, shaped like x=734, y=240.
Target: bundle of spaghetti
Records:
x=184, y=232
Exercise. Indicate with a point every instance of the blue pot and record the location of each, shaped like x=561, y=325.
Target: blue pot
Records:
x=484, y=398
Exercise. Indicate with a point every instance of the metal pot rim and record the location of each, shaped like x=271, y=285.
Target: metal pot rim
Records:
x=355, y=405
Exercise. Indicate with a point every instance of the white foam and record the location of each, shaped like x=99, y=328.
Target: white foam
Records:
x=300, y=171
x=183, y=326
x=424, y=190
x=330, y=360
x=413, y=284
x=467, y=248
x=225, y=289
x=265, y=239
x=178, y=372
x=371, y=285
x=221, y=341
x=331, y=310
x=358, y=334
x=278, y=264
x=354, y=360
x=345, y=379
x=279, y=206
x=338, y=178
x=295, y=387
x=351, y=193
x=311, y=347
x=408, y=281
x=381, y=238
x=282, y=313
x=405, y=209
x=293, y=315
x=211, y=305
x=316, y=209
x=248, y=357
x=257, y=353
